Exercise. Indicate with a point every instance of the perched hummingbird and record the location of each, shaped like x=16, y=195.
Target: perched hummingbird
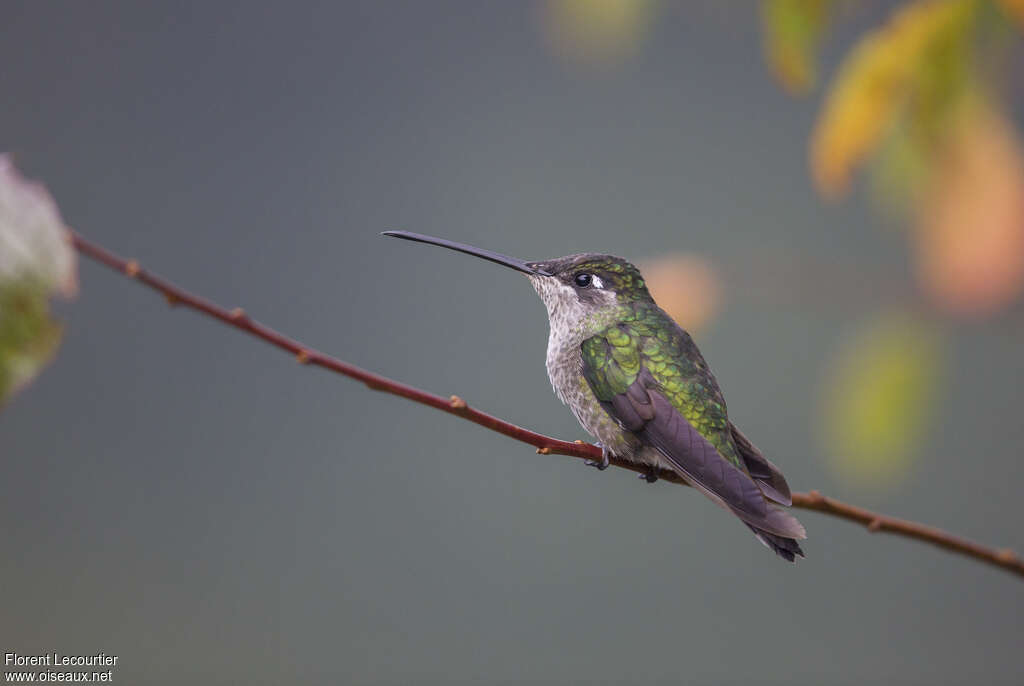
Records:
x=637, y=382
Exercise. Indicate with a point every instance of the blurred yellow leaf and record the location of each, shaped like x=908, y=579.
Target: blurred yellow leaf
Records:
x=878, y=398
x=686, y=286
x=792, y=30
x=596, y=31
x=969, y=240
x=916, y=58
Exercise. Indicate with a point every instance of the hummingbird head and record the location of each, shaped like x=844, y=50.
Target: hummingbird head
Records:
x=575, y=289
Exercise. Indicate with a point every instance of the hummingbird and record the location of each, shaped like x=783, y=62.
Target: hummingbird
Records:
x=638, y=384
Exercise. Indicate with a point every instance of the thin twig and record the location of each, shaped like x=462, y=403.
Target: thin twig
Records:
x=875, y=522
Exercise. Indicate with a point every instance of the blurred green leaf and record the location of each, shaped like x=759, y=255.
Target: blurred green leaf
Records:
x=36, y=261
x=28, y=336
x=879, y=394
x=793, y=31
x=899, y=170
x=936, y=97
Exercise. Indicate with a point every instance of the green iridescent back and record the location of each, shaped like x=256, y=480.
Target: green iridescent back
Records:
x=646, y=337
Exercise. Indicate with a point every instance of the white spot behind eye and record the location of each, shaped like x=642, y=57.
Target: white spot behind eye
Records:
x=597, y=282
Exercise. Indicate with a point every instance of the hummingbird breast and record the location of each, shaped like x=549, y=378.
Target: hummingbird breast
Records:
x=572, y=322
x=565, y=369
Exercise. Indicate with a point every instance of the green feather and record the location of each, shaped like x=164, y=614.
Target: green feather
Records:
x=647, y=338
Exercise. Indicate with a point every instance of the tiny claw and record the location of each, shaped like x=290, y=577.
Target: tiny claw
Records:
x=601, y=464
x=650, y=476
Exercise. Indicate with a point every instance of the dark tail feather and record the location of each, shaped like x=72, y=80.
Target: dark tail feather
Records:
x=786, y=548
x=764, y=473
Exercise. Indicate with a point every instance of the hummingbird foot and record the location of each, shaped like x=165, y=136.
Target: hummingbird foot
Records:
x=650, y=476
x=601, y=464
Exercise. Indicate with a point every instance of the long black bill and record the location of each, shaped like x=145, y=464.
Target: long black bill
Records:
x=498, y=258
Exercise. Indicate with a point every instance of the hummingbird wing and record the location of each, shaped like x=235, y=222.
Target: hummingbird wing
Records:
x=650, y=378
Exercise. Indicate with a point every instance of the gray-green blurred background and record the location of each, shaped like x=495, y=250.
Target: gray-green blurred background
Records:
x=193, y=501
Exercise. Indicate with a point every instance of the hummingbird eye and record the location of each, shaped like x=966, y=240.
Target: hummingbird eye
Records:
x=583, y=279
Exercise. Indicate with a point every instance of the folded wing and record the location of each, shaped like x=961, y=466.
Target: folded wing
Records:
x=616, y=369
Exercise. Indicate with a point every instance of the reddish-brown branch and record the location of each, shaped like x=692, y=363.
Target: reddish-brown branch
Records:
x=546, y=445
